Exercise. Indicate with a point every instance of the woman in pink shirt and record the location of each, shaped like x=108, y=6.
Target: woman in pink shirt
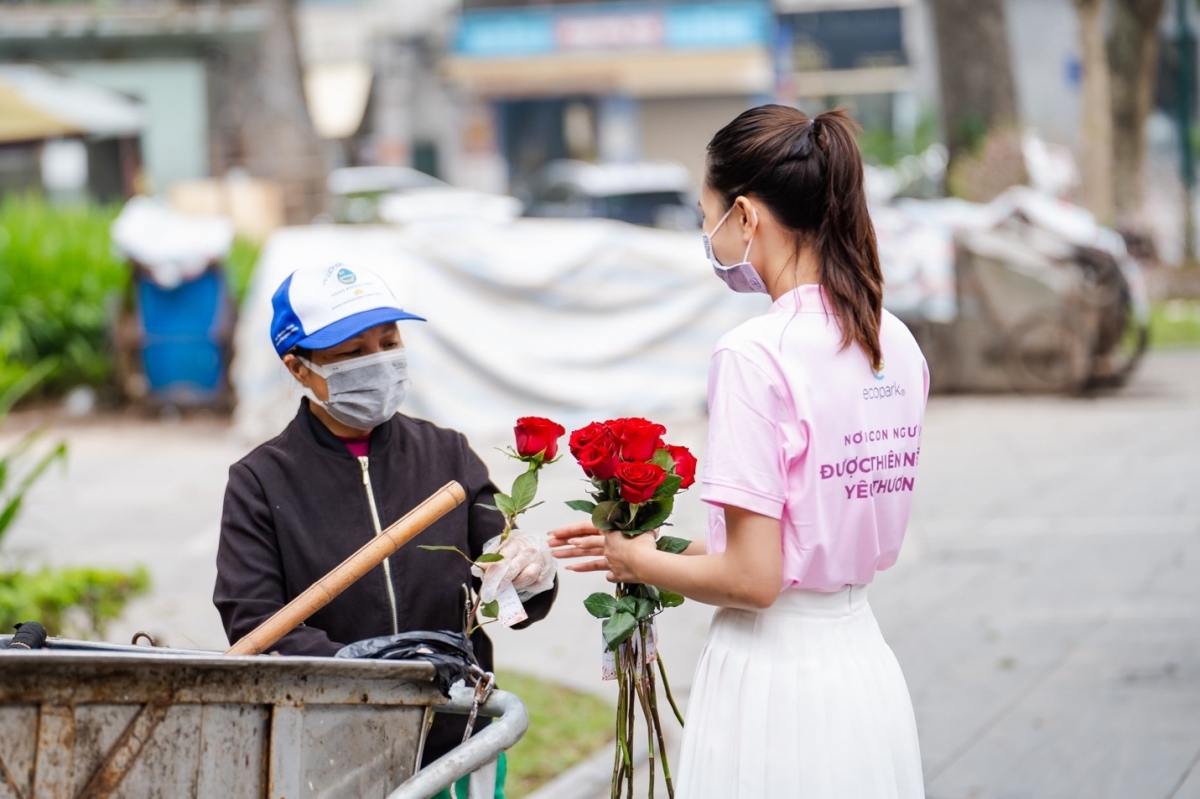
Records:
x=815, y=412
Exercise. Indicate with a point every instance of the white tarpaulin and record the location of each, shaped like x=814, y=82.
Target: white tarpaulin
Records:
x=572, y=319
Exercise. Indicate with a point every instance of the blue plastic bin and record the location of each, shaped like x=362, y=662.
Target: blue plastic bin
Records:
x=182, y=330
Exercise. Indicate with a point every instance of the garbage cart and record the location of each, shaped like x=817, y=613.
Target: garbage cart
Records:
x=98, y=720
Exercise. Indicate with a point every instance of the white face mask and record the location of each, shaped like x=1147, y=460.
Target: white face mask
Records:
x=364, y=392
x=741, y=277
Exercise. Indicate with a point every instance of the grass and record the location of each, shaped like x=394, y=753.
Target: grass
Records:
x=1175, y=323
x=565, y=726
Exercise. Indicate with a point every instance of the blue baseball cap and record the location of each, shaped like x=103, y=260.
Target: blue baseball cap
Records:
x=319, y=307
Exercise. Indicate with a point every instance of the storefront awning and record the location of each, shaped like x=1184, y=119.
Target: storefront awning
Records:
x=36, y=104
x=645, y=74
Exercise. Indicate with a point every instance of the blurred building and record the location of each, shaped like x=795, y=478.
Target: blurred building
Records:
x=178, y=62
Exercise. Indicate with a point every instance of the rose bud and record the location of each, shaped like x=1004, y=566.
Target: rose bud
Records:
x=640, y=439
x=537, y=435
x=587, y=435
x=599, y=459
x=639, y=481
x=685, y=465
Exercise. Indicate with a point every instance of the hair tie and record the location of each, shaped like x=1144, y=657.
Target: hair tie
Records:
x=803, y=146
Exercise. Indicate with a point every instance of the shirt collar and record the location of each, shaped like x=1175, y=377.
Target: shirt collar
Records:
x=808, y=298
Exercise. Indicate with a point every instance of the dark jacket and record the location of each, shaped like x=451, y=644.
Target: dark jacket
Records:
x=297, y=506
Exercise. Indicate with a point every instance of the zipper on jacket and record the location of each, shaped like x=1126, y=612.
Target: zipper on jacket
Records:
x=387, y=567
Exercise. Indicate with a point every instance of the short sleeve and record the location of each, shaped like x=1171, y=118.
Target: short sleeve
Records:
x=744, y=466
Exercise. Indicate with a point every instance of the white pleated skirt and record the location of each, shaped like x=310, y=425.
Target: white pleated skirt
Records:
x=803, y=700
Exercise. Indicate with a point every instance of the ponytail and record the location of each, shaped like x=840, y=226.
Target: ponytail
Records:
x=809, y=172
x=845, y=240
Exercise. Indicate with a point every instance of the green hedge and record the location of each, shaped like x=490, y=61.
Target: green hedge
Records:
x=59, y=282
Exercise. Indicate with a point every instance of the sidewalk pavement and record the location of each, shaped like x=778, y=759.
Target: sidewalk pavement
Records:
x=1045, y=610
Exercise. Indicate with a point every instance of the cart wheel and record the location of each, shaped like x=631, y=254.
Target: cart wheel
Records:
x=1046, y=354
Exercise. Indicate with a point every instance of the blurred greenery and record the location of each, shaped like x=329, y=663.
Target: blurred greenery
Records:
x=1175, y=323
x=77, y=602
x=61, y=286
x=565, y=727
x=882, y=147
x=59, y=280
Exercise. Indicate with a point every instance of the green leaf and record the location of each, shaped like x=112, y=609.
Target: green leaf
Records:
x=490, y=610
x=646, y=608
x=670, y=487
x=663, y=458
x=602, y=516
x=672, y=544
x=489, y=557
x=505, y=504
x=659, y=511
x=485, y=505
x=600, y=605
x=627, y=604
x=670, y=599
x=581, y=505
x=432, y=548
x=524, y=490
x=618, y=628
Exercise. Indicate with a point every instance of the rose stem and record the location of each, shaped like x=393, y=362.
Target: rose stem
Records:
x=667, y=687
x=641, y=666
x=631, y=729
x=662, y=744
x=623, y=756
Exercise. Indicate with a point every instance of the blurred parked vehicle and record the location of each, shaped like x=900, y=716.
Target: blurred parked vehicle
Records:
x=355, y=192
x=654, y=194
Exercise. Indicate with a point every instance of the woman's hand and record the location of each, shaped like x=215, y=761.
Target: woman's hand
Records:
x=624, y=553
x=579, y=540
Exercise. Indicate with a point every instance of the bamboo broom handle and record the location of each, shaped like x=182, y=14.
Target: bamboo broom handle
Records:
x=323, y=591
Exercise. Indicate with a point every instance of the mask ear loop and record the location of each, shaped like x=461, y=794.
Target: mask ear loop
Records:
x=749, y=244
x=713, y=232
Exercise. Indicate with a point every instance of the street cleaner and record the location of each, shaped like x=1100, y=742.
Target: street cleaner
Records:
x=345, y=468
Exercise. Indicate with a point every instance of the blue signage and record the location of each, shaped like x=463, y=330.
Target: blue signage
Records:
x=608, y=27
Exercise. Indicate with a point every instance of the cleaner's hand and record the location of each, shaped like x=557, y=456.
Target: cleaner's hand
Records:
x=528, y=565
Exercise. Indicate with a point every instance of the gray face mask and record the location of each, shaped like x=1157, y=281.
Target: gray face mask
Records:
x=364, y=392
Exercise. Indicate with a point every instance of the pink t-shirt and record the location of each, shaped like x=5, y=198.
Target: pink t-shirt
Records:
x=804, y=431
x=359, y=447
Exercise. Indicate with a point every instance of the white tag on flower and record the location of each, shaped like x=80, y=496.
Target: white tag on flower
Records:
x=608, y=659
x=511, y=611
x=651, y=642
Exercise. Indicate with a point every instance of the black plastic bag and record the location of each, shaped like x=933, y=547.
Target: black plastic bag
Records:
x=450, y=653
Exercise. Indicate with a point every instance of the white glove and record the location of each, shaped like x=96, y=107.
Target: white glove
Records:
x=528, y=564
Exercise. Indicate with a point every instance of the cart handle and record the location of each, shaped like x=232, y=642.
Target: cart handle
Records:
x=512, y=721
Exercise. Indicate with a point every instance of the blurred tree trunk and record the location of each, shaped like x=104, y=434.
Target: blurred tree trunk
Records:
x=1096, y=123
x=283, y=146
x=1133, y=64
x=979, y=96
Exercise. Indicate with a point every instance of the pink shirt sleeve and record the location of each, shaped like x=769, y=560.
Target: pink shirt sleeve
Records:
x=745, y=466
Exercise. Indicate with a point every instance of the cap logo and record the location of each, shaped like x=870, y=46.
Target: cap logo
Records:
x=346, y=276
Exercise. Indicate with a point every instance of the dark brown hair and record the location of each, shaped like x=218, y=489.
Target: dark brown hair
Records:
x=809, y=173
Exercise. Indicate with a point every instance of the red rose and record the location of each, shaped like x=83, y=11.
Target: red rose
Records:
x=639, y=481
x=685, y=464
x=639, y=439
x=535, y=434
x=587, y=435
x=599, y=459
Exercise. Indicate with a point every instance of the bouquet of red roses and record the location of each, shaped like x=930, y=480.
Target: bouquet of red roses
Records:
x=635, y=477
